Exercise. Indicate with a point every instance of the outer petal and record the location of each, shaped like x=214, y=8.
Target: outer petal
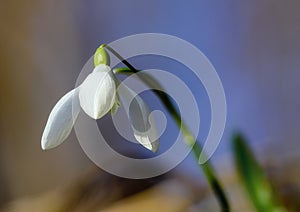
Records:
x=61, y=120
x=142, y=123
x=98, y=92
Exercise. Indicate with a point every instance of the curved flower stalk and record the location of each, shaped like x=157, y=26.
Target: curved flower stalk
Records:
x=190, y=140
x=98, y=95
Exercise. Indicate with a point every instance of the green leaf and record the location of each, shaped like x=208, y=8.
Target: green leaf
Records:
x=253, y=177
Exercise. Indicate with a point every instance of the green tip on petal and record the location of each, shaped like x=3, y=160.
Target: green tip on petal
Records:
x=101, y=56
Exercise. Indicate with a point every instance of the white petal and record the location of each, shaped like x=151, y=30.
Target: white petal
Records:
x=98, y=92
x=142, y=123
x=61, y=120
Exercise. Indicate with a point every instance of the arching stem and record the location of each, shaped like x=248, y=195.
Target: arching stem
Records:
x=190, y=140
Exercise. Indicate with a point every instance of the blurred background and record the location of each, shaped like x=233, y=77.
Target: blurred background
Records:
x=254, y=46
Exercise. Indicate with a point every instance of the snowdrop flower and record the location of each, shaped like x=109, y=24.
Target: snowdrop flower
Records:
x=97, y=93
x=138, y=112
x=97, y=96
x=60, y=121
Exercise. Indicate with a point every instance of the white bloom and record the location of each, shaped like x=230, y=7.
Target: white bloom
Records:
x=97, y=96
x=139, y=116
x=60, y=121
x=98, y=92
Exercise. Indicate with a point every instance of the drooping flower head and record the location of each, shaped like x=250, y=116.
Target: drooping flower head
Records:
x=98, y=95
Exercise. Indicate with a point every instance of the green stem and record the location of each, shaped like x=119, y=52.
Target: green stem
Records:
x=193, y=143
